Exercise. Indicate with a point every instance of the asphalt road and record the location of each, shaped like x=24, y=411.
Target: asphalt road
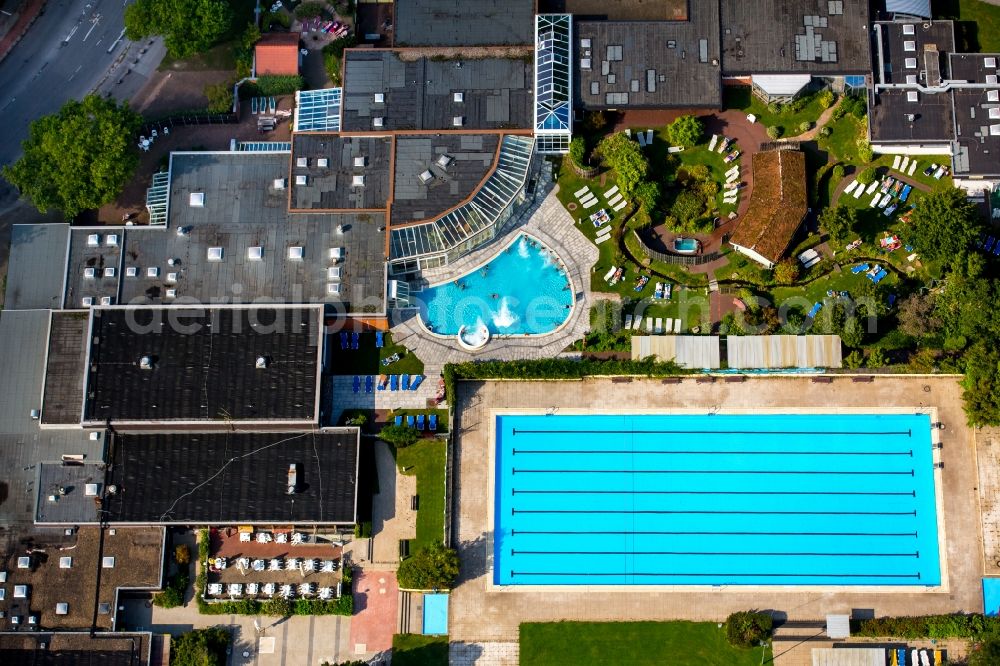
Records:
x=73, y=48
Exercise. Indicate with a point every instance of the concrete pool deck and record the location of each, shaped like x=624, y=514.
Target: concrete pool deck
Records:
x=481, y=614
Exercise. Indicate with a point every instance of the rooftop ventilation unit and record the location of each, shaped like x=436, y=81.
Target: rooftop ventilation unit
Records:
x=279, y=183
x=358, y=181
x=380, y=98
x=184, y=231
x=112, y=240
x=171, y=278
x=302, y=162
x=296, y=252
x=359, y=162
x=336, y=253
x=90, y=490
x=322, y=162
x=444, y=160
x=109, y=271
x=378, y=121
x=90, y=272
x=197, y=200
x=332, y=288
x=261, y=363
x=293, y=480
x=65, y=562
x=457, y=121
x=107, y=300
x=62, y=608
x=458, y=97
x=910, y=117
x=255, y=253
x=131, y=271
x=146, y=362
x=426, y=177
x=301, y=179
x=87, y=301
x=170, y=293
x=152, y=272
x=215, y=254
x=333, y=273
x=93, y=240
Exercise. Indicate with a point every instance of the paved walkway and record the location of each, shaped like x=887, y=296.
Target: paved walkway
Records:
x=548, y=221
x=823, y=119
x=392, y=517
x=342, y=395
x=492, y=653
x=988, y=456
x=376, y=602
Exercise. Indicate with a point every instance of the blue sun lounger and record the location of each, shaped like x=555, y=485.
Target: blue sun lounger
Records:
x=433, y=425
x=393, y=382
x=409, y=420
x=996, y=248
x=343, y=340
x=369, y=383
x=416, y=382
x=815, y=310
x=879, y=276
x=399, y=420
x=379, y=339
x=420, y=421
x=901, y=654
x=355, y=339
x=989, y=243
x=860, y=268
x=357, y=383
x=905, y=193
x=404, y=384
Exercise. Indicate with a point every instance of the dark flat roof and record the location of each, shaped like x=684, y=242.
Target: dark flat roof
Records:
x=978, y=151
x=496, y=91
x=36, y=274
x=203, y=365
x=229, y=478
x=972, y=66
x=74, y=649
x=889, y=117
x=464, y=22
x=629, y=64
x=472, y=157
x=332, y=186
x=929, y=45
x=86, y=259
x=805, y=36
x=67, y=353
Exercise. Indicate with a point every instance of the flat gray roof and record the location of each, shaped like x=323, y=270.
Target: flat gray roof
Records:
x=894, y=118
x=470, y=157
x=75, y=506
x=67, y=354
x=332, y=186
x=94, y=266
x=36, y=274
x=464, y=22
x=22, y=365
x=243, y=210
x=780, y=37
x=495, y=92
x=625, y=64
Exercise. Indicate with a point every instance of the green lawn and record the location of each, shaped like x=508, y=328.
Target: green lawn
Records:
x=426, y=460
x=218, y=58
x=366, y=359
x=981, y=18
x=419, y=650
x=740, y=97
x=632, y=643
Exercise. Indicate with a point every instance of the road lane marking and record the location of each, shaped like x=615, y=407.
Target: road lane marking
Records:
x=71, y=33
x=115, y=43
x=94, y=25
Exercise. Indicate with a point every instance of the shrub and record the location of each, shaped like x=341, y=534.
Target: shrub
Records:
x=973, y=626
x=363, y=530
x=578, y=150
x=433, y=567
x=308, y=10
x=825, y=99
x=774, y=107
x=775, y=131
x=278, y=606
x=805, y=126
x=269, y=85
x=865, y=152
x=854, y=360
x=786, y=272
x=825, y=131
x=876, y=358
x=201, y=647
x=399, y=436
x=838, y=172
x=173, y=594
x=866, y=176
x=685, y=131
x=220, y=97
x=276, y=18
x=746, y=629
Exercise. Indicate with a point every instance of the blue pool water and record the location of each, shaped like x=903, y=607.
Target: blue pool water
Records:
x=715, y=500
x=520, y=291
x=435, y=614
x=686, y=244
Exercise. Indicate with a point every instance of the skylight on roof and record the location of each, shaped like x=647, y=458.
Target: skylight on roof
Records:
x=458, y=121
x=255, y=253
x=65, y=562
x=333, y=287
x=993, y=95
x=358, y=181
x=197, y=200
x=911, y=63
x=322, y=162
x=990, y=63
x=458, y=97
x=302, y=162
x=333, y=273
x=215, y=254
x=994, y=113
x=912, y=96
x=378, y=121
x=152, y=272
x=359, y=162
x=301, y=179
x=911, y=78
x=908, y=29
x=279, y=183
x=991, y=79
x=295, y=252
x=380, y=98
x=426, y=176
x=93, y=240
x=909, y=46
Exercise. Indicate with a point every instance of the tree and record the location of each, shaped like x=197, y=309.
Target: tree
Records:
x=825, y=99
x=986, y=653
x=201, y=647
x=187, y=26
x=916, y=315
x=685, y=131
x=786, y=271
x=945, y=225
x=839, y=221
x=825, y=131
x=687, y=206
x=220, y=97
x=182, y=554
x=399, y=436
x=961, y=304
x=78, y=158
x=854, y=360
x=578, y=150
x=647, y=194
x=805, y=126
x=865, y=152
x=876, y=358
x=981, y=385
x=747, y=629
x=775, y=131
x=626, y=159
x=837, y=174
x=433, y=567
x=866, y=176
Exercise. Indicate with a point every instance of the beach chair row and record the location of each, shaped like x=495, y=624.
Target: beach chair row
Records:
x=353, y=340
x=654, y=325
x=392, y=382
x=284, y=590
x=419, y=422
x=588, y=199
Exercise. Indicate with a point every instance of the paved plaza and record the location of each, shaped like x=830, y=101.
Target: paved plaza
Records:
x=480, y=614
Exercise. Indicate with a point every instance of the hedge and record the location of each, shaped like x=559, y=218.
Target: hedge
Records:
x=973, y=625
x=555, y=368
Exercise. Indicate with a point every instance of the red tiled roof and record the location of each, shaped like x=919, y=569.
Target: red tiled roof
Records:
x=278, y=53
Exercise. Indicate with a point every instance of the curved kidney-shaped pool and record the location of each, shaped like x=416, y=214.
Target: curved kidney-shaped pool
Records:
x=521, y=291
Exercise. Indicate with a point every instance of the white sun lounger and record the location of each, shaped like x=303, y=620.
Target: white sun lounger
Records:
x=587, y=198
x=615, y=199
x=913, y=167
x=850, y=186
x=628, y=133
x=649, y=324
x=905, y=163
x=636, y=323
x=874, y=203
x=610, y=274
x=733, y=178
x=711, y=144
x=620, y=205
x=611, y=192
x=895, y=162
x=658, y=327
x=677, y=325
x=579, y=193
x=721, y=144
x=649, y=137
x=735, y=169
x=872, y=186
x=591, y=203
x=628, y=321
x=642, y=139
x=601, y=239
x=858, y=192
x=603, y=236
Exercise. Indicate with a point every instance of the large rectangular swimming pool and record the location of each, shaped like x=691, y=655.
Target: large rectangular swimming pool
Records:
x=715, y=499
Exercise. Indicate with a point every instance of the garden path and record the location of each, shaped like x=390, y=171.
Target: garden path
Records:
x=823, y=119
